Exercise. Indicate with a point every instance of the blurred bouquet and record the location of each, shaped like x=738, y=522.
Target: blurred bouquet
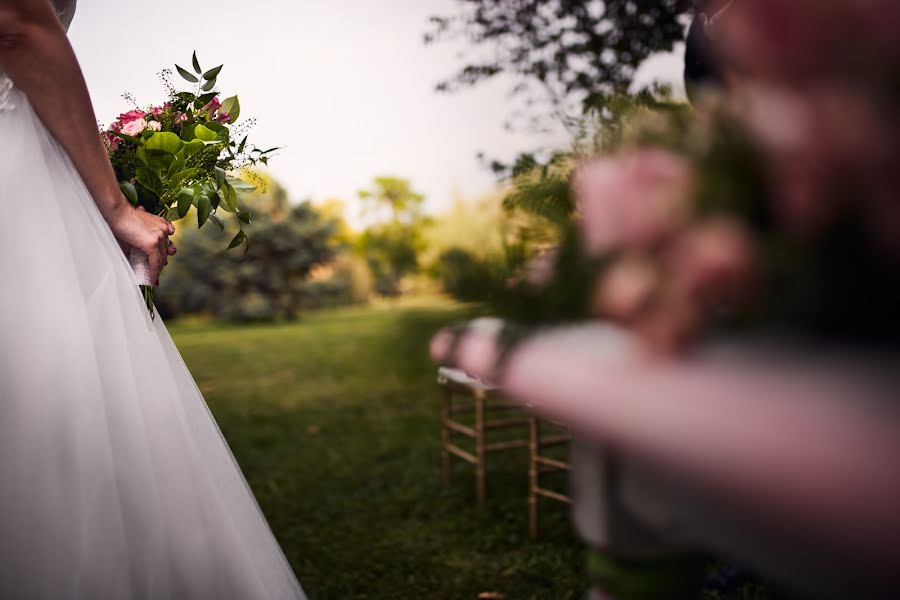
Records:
x=772, y=206
x=183, y=153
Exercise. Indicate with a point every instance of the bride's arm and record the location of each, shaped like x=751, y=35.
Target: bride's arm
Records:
x=35, y=53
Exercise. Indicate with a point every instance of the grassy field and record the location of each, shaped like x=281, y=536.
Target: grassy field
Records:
x=335, y=421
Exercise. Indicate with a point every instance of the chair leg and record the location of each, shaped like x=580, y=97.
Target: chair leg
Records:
x=533, y=442
x=446, y=415
x=479, y=450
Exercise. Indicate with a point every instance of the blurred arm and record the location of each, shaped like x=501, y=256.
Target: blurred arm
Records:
x=799, y=452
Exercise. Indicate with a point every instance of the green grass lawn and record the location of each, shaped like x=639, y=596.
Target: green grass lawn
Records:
x=335, y=422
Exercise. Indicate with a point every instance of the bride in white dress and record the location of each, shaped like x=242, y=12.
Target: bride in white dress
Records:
x=115, y=482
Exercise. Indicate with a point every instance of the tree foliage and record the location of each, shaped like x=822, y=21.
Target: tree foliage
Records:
x=391, y=245
x=564, y=50
x=270, y=282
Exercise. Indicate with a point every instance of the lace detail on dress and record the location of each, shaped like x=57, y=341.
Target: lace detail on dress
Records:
x=6, y=86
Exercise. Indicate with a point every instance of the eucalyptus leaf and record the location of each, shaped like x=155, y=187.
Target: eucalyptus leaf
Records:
x=206, y=99
x=204, y=208
x=237, y=240
x=130, y=192
x=187, y=75
x=196, y=63
x=240, y=186
x=230, y=198
x=220, y=176
x=185, y=199
x=212, y=73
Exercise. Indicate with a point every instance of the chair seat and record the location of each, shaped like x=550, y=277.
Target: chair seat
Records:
x=463, y=379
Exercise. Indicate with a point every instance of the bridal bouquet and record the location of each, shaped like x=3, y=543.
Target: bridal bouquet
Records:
x=184, y=153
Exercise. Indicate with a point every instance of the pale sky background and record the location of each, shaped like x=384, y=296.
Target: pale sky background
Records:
x=346, y=87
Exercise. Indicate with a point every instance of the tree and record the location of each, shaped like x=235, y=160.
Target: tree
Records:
x=269, y=282
x=564, y=51
x=392, y=243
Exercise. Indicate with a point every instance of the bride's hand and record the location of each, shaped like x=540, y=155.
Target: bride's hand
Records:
x=149, y=233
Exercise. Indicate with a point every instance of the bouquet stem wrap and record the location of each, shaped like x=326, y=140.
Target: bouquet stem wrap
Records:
x=140, y=264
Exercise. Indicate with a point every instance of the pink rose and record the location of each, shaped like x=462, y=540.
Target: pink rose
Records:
x=633, y=201
x=181, y=118
x=131, y=115
x=135, y=127
x=156, y=110
x=154, y=125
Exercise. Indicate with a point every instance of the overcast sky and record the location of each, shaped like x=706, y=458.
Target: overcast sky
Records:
x=347, y=87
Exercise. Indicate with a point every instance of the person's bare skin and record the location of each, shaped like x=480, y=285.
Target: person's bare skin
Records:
x=36, y=55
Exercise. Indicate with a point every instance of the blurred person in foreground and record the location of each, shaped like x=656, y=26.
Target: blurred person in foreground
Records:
x=743, y=277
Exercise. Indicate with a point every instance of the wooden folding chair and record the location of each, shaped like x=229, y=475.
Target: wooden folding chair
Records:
x=540, y=464
x=482, y=399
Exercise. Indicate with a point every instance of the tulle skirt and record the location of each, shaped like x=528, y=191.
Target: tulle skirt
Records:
x=115, y=482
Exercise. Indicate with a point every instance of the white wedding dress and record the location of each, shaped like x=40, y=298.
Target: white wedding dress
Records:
x=115, y=482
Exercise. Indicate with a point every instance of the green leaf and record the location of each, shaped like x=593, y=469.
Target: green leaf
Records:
x=221, y=131
x=204, y=208
x=142, y=155
x=237, y=240
x=220, y=176
x=160, y=160
x=165, y=141
x=193, y=147
x=229, y=198
x=196, y=63
x=149, y=179
x=205, y=99
x=208, y=85
x=183, y=176
x=130, y=192
x=212, y=73
x=233, y=107
x=243, y=216
x=177, y=164
x=242, y=144
x=187, y=75
x=218, y=221
x=240, y=186
x=204, y=133
x=185, y=199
